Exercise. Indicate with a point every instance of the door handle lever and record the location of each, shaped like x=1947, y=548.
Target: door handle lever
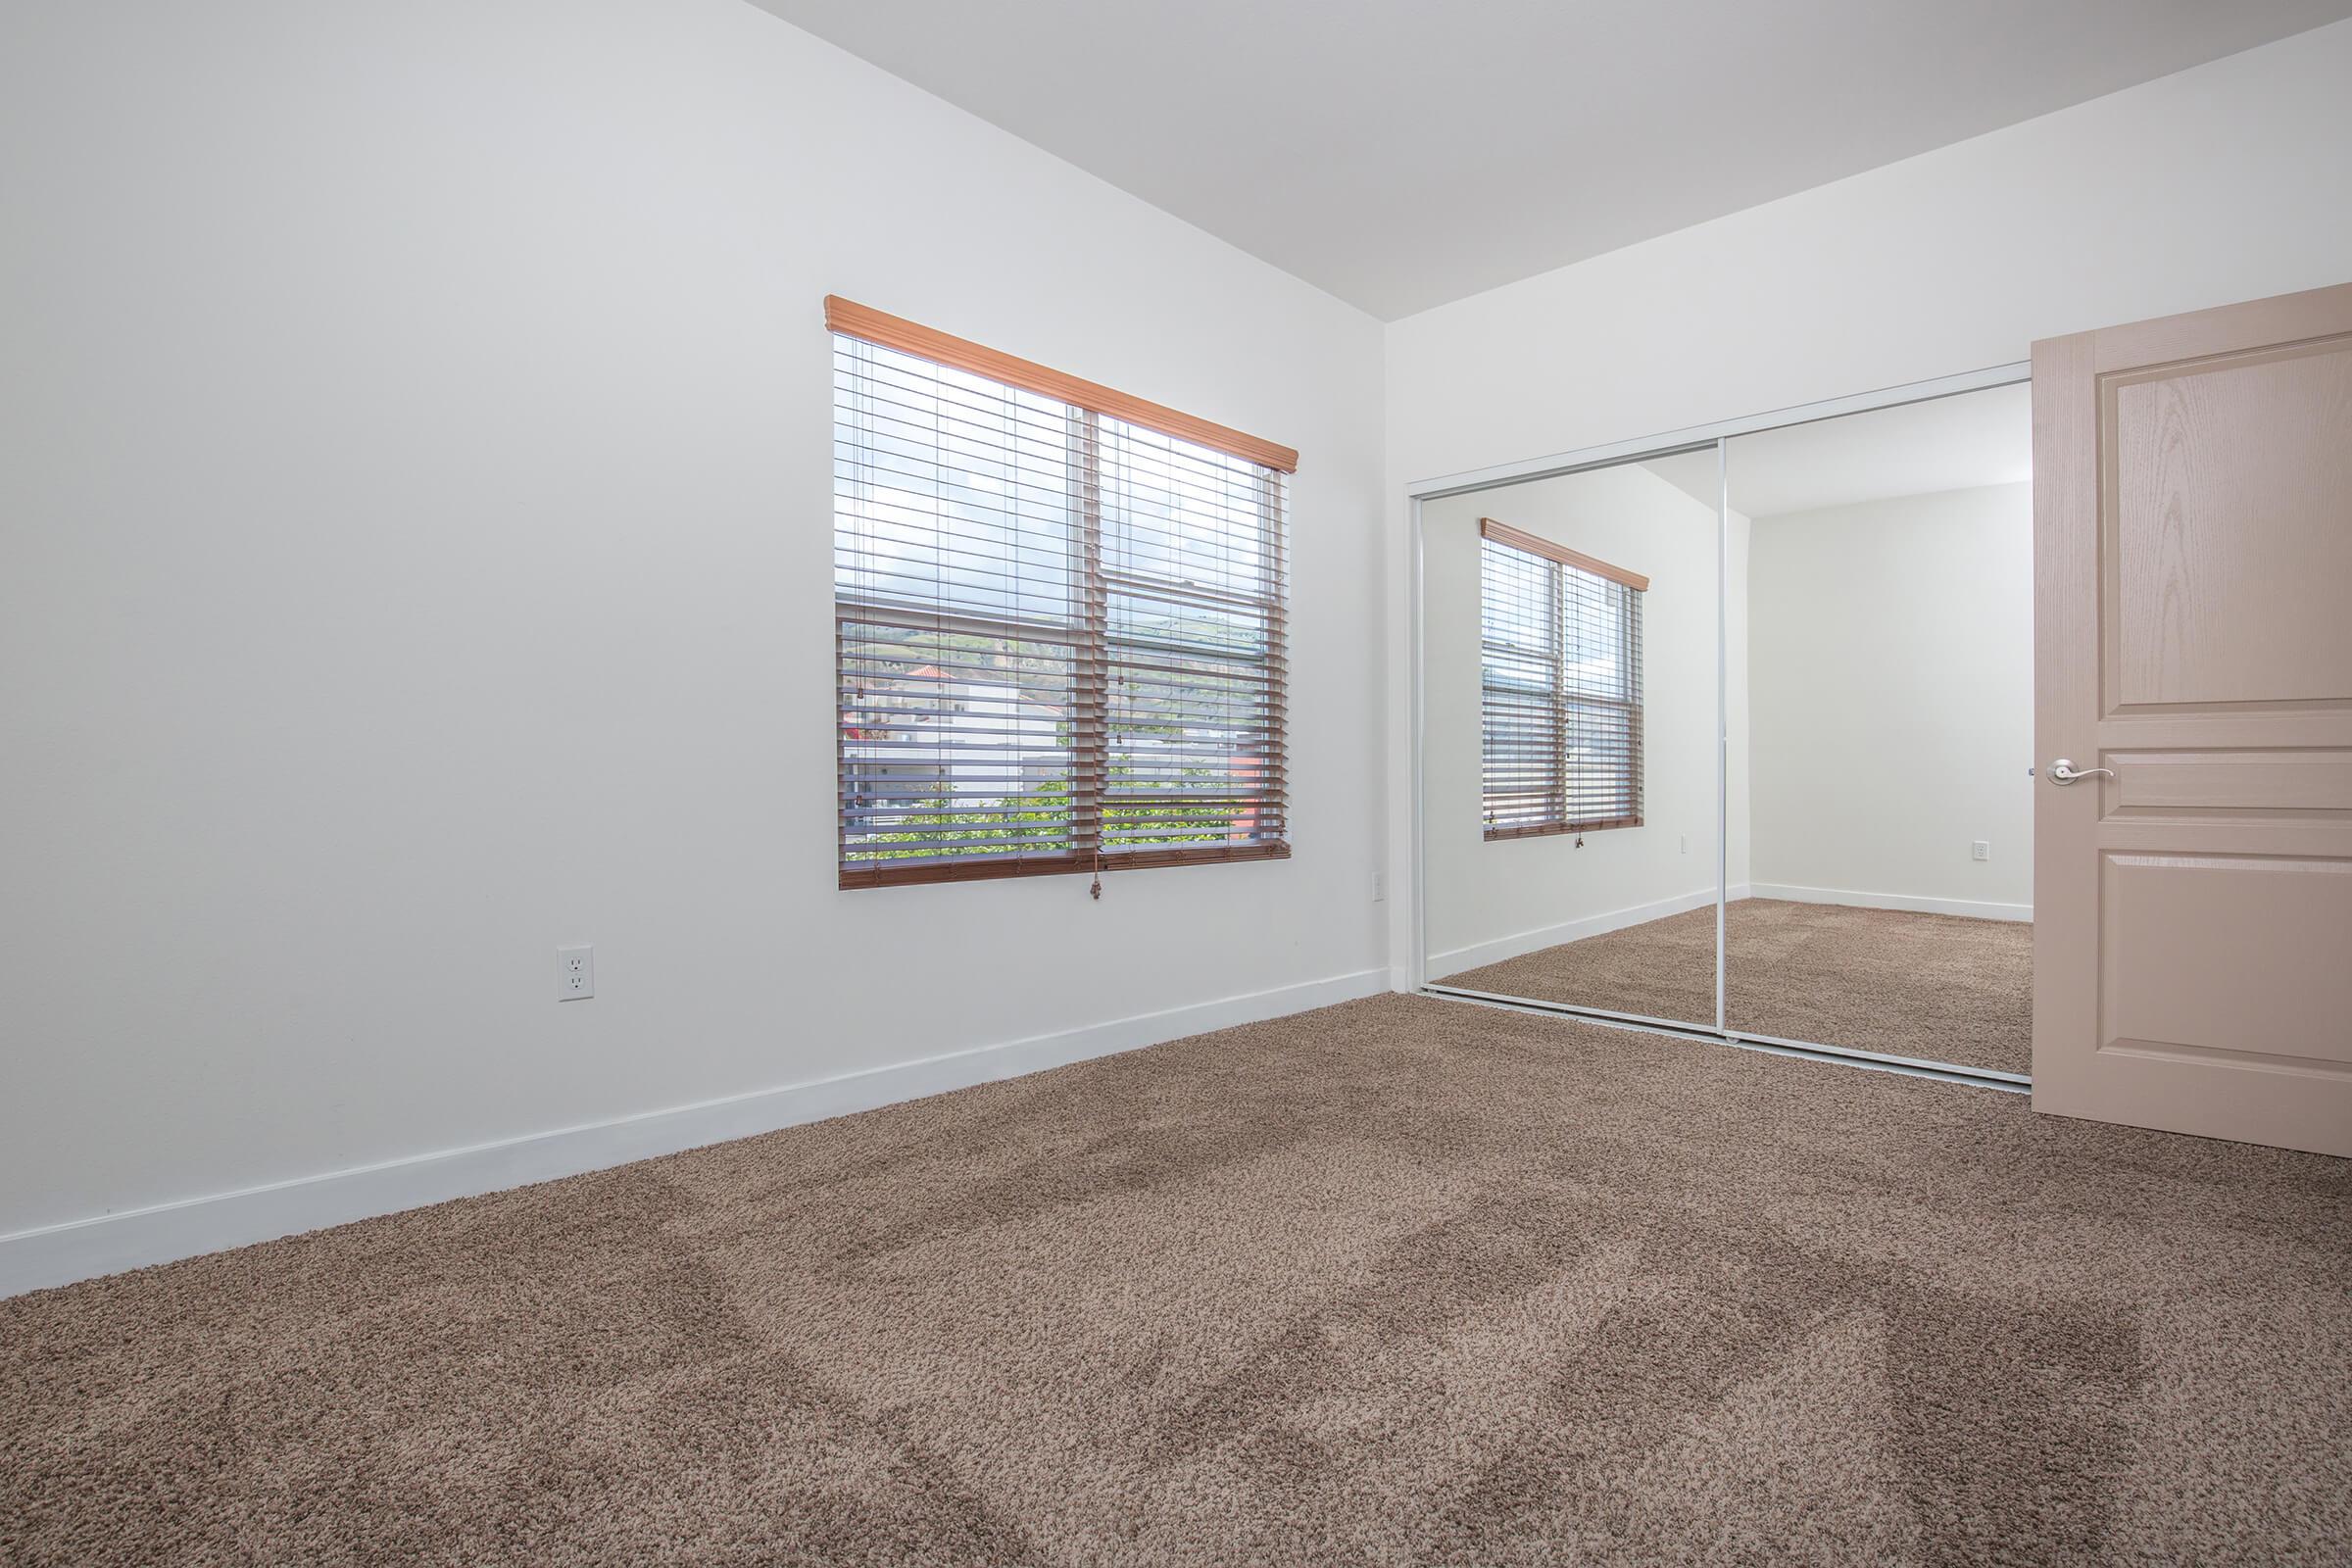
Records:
x=2062, y=771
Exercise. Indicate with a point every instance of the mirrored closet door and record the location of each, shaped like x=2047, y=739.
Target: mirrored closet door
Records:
x=1737, y=736
x=1886, y=675
x=1569, y=763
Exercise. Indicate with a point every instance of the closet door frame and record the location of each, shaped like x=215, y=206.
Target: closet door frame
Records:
x=1675, y=443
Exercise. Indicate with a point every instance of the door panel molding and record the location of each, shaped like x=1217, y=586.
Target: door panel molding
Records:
x=2307, y=778
x=2220, y=577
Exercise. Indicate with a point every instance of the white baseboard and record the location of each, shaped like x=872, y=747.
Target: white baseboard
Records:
x=1521, y=943
x=106, y=1243
x=1973, y=908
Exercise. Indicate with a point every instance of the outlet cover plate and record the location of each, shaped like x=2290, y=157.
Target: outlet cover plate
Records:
x=575, y=974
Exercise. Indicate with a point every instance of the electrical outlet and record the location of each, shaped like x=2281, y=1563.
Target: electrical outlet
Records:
x=575, y=974
x=1979, y=851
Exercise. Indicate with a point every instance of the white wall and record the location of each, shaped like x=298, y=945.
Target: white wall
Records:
x=1492, y=900
x=2220, y=183
x=414, y=553
x=1890, y=677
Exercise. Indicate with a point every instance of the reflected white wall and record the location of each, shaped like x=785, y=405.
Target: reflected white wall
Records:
x=1891, y=659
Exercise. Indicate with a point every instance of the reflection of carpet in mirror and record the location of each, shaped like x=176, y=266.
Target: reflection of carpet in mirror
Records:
x=1937, y=986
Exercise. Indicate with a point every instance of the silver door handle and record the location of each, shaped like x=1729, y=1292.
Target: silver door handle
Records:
x=2062, y=771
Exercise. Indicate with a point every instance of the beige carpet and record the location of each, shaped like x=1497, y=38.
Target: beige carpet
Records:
x=1404, y=1281
x=1912, y=985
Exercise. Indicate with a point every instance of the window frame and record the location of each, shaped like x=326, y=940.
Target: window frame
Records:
x=1559, y=699
x=1092, y=641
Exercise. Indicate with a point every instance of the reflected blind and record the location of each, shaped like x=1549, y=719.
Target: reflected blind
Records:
x=1560, y=687
x=1059, y=632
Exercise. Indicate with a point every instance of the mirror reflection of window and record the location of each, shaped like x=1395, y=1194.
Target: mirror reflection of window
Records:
x=1560, y=696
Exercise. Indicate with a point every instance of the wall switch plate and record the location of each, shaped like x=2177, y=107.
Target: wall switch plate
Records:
x=1979, y=851
x=1380, y=887
x=575, y=974
x=1685, y=844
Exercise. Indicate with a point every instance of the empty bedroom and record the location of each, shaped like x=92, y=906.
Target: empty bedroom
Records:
x=1044, y=784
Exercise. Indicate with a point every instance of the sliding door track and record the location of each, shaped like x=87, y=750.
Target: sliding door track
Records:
x=1950, y=1072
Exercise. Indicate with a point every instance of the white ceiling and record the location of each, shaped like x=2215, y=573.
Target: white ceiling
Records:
x=1404, y=153
x=1954, y=443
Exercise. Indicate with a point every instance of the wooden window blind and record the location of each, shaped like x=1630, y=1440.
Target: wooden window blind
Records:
x=1560, y=687
x=1060, y=630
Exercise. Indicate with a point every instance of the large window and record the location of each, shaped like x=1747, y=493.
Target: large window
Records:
x=1059, y=614
x=1560, y=687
